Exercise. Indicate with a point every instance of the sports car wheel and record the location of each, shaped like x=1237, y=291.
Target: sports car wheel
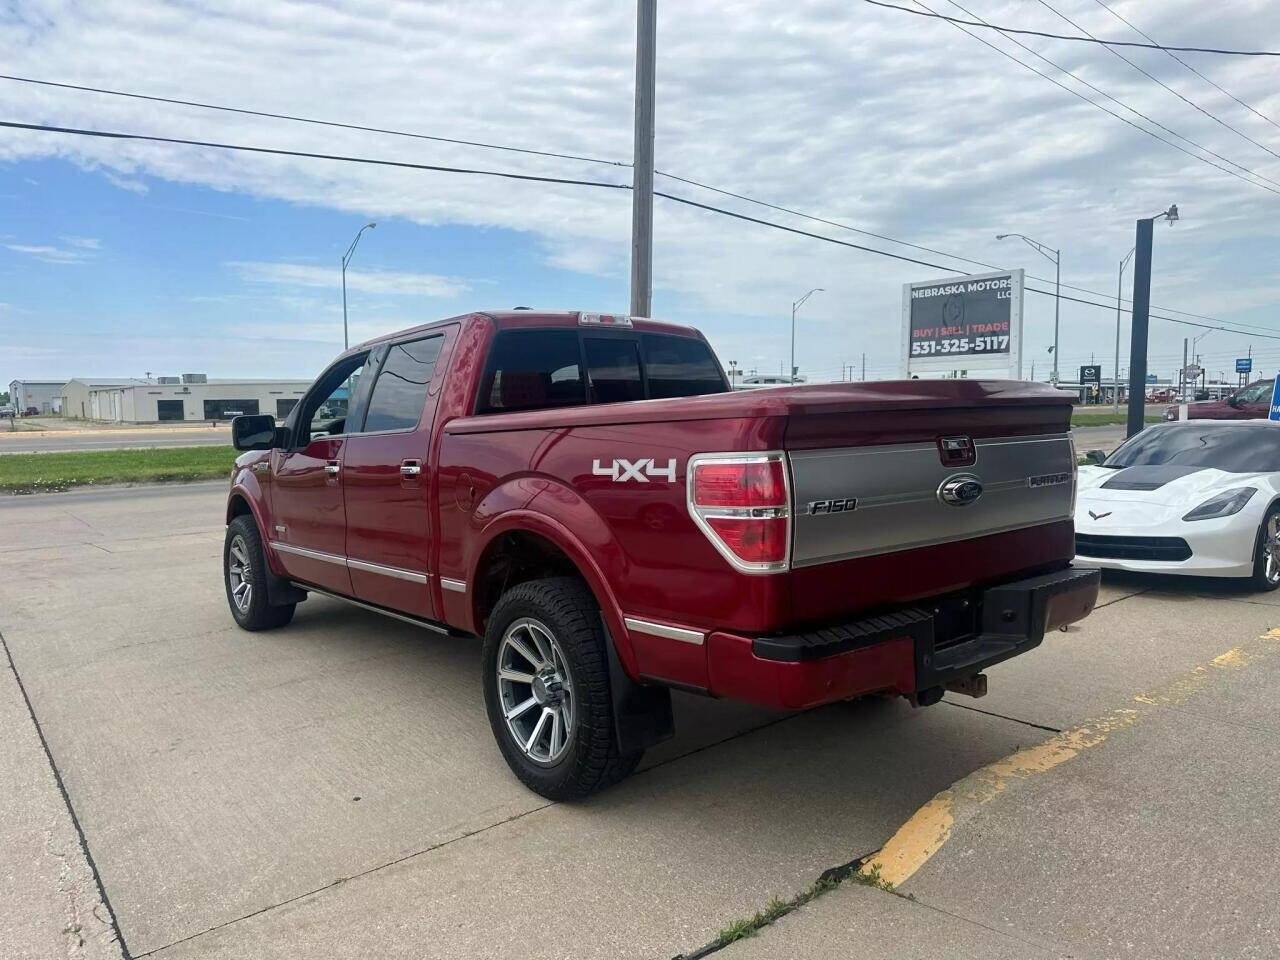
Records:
x=1266, y=564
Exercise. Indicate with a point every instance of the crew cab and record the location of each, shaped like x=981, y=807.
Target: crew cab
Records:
x=1252, y=402
x=584, y=492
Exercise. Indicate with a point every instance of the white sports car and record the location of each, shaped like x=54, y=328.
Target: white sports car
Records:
x=1198, y=497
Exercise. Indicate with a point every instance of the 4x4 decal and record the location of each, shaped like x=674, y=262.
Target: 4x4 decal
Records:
x=620, y=470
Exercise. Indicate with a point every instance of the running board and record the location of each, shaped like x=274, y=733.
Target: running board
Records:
x=374, y=608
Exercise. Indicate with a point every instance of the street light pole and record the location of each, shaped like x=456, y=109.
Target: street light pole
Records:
x=1056, y=257
x=642, y=160
x=794, y=307
x=1115, y=371
x=346, y=258
x=1141, y=317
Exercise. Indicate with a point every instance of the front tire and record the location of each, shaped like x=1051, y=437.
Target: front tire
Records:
x=244, y=573
x=1266, y=563
x=546, y=689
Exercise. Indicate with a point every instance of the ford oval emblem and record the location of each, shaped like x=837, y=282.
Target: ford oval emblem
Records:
x=960, y=490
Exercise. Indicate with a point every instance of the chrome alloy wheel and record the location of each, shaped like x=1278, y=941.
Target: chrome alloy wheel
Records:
x=1270, y=548
x=239, y=573
x=536, y=691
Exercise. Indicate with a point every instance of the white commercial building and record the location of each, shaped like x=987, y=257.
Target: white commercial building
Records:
x=44, y=395
x=190, y=398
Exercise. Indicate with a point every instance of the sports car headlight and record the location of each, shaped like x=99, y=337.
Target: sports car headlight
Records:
x=1223, y=505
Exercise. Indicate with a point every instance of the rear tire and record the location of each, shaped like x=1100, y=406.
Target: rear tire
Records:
x=244, y=573
x=546, y=688
x=1266, y=553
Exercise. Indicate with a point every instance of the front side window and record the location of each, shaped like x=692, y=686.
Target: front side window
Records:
x=327, y=403
x=400, y=392
x=613, y=370
x=1258, y=393
x=680, y=367
x=531, y=370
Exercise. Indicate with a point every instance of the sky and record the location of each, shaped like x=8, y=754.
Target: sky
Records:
x=119, y=259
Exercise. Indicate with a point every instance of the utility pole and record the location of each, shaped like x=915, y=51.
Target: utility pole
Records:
x=864, y=368
x=1182, y=374
x=1145, y=227
x=642, y=160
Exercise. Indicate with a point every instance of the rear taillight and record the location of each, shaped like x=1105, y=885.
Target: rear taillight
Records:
x=742, y=503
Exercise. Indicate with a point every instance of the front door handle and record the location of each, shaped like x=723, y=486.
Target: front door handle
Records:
x=410, y=468
x=333, y=468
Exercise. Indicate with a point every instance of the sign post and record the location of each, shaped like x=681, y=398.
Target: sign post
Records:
x=963, y=323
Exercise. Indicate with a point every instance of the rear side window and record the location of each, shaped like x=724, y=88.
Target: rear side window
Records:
x=533, y=369
x=613, y=370
x=680, y=367
x=400, y=392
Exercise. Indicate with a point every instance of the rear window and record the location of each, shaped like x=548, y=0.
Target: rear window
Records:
x=1235, y=449
x=539, y=368
x=533, y=369
x=680, y=367
x=613, y=370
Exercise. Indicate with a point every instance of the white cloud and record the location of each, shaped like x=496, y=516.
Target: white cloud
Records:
x=865, y=116
x=47, y=253
x=126, y=183
x=368, y=281
x=84, y=243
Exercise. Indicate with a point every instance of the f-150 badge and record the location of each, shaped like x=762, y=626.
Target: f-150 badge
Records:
x=642, y=471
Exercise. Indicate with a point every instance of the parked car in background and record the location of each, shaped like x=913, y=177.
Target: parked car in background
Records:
x=1187, y=498
x=7, y=411
x=1248, y=403
x=31, y=412
x=583, y=492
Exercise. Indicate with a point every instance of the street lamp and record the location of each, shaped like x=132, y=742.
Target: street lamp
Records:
x=1115, y=371
x=1056, y=257
x=1141, y=317
x=794, y=307
x=346, y=258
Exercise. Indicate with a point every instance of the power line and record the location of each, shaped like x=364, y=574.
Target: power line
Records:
x=323, y=123
x=111, y=135
x=937, y=266
x=1211, y=83
x=505, y=147
x=1157, y=80
x=1059, y=36
x=1081, y=96
x=1121, y=103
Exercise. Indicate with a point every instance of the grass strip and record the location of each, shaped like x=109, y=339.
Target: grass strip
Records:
x=52, y=472
x=856, y=871
x=1109, y=419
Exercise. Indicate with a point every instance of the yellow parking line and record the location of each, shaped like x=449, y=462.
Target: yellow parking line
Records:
x=917, y=840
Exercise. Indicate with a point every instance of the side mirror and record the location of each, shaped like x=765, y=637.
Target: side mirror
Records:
x=1095, y=457
x=1233, y=400
x=257, y=432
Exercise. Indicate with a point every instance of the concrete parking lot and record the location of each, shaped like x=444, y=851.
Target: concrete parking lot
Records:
x=332, y=789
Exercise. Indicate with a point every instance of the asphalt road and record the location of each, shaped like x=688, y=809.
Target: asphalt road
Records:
x=112, y=439
x=332, y=789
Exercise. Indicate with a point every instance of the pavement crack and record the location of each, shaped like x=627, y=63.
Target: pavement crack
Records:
x=1002, y=716
x=444, y=843
x=341, y=880
x=73, y=929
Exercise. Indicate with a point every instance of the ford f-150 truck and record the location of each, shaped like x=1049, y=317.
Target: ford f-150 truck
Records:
x=584, y=492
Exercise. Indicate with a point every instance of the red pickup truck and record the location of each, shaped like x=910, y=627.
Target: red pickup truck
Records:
x=585, y=493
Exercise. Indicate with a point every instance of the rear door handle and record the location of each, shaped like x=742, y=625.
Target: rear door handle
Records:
x=333, y=468
x=410, y=468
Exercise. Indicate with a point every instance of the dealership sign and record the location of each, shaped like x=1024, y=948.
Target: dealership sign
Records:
x=963, y=323
x=1091, y=373
x=1244, y=365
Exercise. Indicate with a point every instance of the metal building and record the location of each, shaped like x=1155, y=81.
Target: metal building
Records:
x=44, y=395
x=189, y=398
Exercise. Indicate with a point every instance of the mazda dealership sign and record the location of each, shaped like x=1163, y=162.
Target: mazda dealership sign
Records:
x=963, y=323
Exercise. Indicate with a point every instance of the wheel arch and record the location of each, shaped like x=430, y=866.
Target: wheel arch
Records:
x=525, y=545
